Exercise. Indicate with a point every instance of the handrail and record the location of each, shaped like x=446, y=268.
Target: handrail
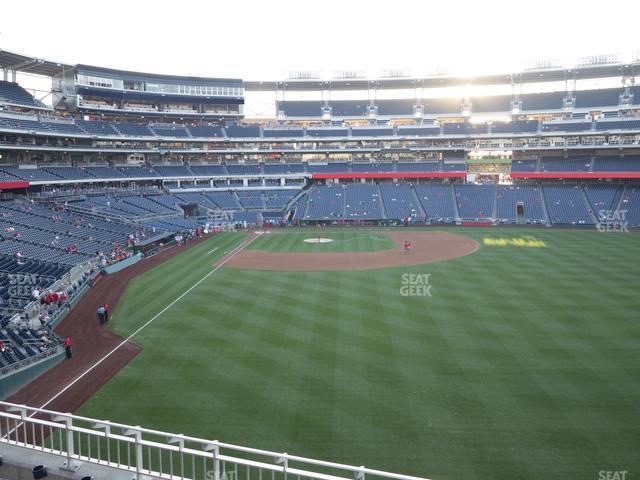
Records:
x=214, y=456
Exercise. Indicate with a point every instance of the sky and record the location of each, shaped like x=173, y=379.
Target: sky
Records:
x=264, y=40
x=267, y=40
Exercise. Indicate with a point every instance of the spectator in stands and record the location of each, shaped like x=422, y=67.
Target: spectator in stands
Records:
x=62, y=297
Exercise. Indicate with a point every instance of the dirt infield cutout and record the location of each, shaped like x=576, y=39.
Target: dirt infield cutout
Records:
x=426, y=247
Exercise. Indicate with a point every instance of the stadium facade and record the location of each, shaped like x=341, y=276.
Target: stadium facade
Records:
x=126, y=155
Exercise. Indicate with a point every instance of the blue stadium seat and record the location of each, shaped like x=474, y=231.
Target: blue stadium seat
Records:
x=206, y=131
x=423, y=130
x=13, y=93
x=493, y=104
x=566, y=205
x=372, y=132
x=437, y=202
x=527, y=196
x=605, y=97
x=542, y=101
x=561, y=164
x=247, y=131
x=283, y=132
x=133, y=129
x=300, y=108
x=615, y=163
x=327, y=132
x=400, y=202
x=518, y=126
x=475, y=202
x=618, y=124
x=578, y=126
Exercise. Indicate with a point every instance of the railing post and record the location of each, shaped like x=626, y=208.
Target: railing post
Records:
x=179, y=440
x=284, y=461
x=214, y=448
x=137, y=435
x=69, y=434
x=67, y=420
x=23, y=416
x=107, y=435
x=217, y=462
x=23, y=422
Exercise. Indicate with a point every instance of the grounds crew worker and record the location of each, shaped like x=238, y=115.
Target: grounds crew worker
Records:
x=101, y=314
x=67, y=347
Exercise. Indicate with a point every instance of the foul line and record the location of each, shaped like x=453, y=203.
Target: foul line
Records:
x=233, y=253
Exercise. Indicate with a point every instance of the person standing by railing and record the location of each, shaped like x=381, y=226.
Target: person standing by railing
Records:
x=67, y=347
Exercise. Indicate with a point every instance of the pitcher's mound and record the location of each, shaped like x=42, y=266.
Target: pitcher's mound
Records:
x=426, y=247
x=318, y=240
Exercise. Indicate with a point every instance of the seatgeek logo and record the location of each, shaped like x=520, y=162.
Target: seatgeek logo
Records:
x=612, y=221
x=22, y=284
x=221, y=475
x=612, y=475
x=415, y=285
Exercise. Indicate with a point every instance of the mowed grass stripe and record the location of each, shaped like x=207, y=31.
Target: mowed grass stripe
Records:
x=521, y=365
x=148, y=294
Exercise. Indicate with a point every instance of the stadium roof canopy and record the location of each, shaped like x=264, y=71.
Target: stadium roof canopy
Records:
x=609, y=68
x=25, y=63
x=92, y=70
x=528, y=76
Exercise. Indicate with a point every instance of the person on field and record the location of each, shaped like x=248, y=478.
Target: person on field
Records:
x=67, y=347
x=106, y=312
x=101, y=315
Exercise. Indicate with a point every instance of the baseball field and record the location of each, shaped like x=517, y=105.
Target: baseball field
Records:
x=511, y=353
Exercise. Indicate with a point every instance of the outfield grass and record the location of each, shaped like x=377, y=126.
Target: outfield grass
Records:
x=342, y=241
x=523, y=364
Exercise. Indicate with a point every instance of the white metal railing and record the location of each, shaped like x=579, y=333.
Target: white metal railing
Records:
x=142, y=451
